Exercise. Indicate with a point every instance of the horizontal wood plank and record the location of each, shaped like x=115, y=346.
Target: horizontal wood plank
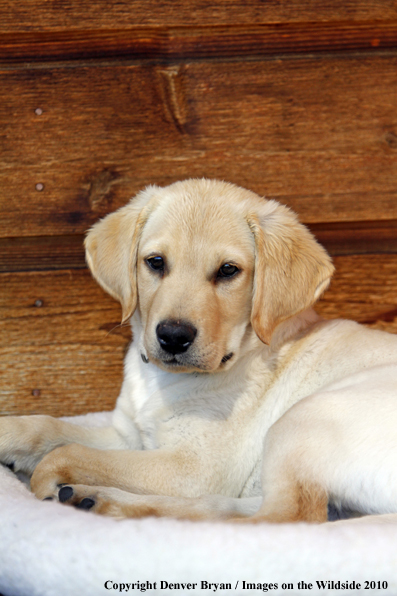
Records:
x=197, y=43
x=61, y=347
x=40, y=15
x=364, y=289
x=318, y=135
x=357, y=237
x=42, y=253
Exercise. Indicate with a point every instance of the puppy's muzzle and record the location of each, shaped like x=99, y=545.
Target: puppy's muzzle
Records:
x=175, y=337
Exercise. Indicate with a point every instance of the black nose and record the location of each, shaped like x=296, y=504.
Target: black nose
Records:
x=175, y=337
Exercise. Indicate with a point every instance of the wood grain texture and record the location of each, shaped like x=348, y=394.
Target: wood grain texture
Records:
x=36, y=253
x=364, y=289
x=61, y=344
x=343, y=238
x=40, y=15
x=318, y=135
x=61, y=349
x=197, y=42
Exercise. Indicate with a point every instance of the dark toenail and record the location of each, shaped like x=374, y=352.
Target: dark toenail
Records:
x=48, y=499
x=65, y=493
x=86, y=503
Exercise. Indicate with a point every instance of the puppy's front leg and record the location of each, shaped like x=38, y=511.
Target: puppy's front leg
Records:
x=158, y=471
x=121, y=504
x=25, y=440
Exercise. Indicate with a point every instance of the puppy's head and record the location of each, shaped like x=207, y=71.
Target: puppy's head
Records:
x=203, y=263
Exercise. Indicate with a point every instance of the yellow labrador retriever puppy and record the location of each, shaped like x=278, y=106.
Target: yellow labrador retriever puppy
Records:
x=237, y=399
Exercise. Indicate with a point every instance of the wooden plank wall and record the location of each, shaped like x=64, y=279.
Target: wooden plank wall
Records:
x=295, y=100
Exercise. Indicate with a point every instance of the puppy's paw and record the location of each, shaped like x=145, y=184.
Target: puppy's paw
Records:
x=109, y=501
x=102, y=500
x=74, y=496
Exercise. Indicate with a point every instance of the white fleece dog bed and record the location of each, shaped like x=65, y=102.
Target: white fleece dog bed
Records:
x=49, y=549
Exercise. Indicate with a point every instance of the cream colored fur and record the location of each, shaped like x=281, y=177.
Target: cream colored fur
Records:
x=269, y=414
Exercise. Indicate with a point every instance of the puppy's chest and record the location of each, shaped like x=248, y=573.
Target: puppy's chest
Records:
x=175, y=410
x=168, y=419
x=149, y=425
x=163, y=409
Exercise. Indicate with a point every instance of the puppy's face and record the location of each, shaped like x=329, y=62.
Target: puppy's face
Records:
x=195, y=270
x=205, y=264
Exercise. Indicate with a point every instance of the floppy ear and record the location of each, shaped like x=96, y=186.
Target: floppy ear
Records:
x=291, y=269
x=112, y=247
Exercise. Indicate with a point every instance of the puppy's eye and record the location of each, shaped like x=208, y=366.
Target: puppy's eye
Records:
x=227, y=270
x=156, y=263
